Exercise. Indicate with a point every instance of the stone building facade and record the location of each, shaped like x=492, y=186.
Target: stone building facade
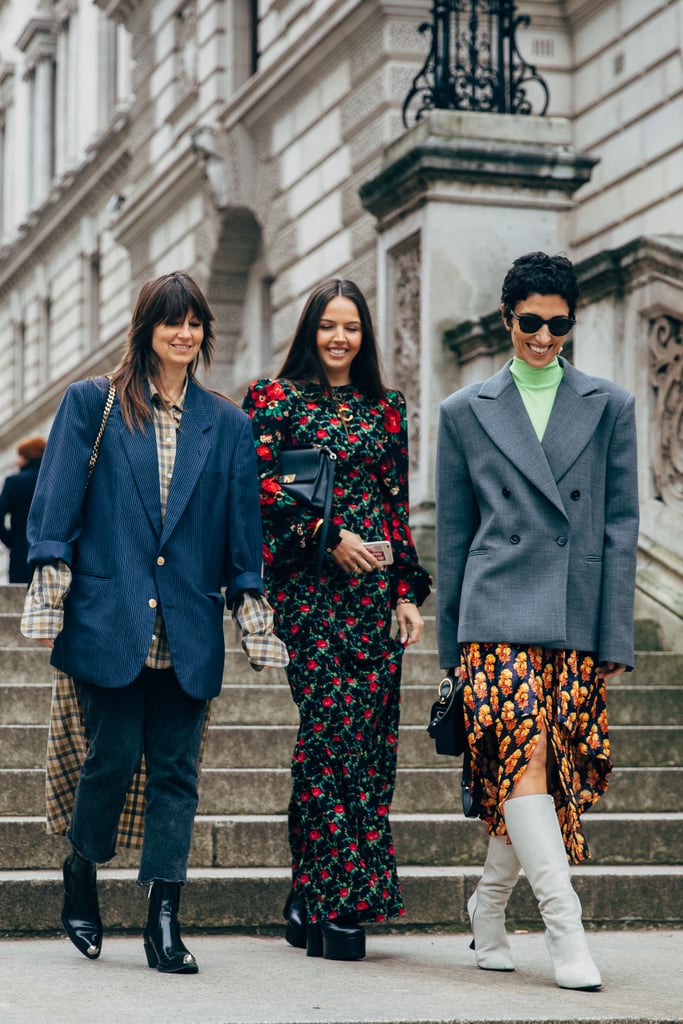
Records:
x=245, y=140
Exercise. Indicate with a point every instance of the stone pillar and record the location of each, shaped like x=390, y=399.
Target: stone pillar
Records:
x=457, y=199
x=38, y=43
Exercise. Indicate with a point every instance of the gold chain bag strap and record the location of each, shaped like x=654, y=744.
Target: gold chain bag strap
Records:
x=111, y=395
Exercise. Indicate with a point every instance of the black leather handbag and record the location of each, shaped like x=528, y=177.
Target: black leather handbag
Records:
x=306, y=473
x=447, y=718
x=447, y=729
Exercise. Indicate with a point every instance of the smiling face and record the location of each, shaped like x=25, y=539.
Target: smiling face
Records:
x=177, y=344
x=338, y=338
x=540, y=348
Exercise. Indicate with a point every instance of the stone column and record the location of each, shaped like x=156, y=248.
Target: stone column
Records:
x=38, y=43
x=457, y=199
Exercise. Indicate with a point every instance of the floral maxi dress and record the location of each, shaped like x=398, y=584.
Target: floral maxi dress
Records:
x=345, y=666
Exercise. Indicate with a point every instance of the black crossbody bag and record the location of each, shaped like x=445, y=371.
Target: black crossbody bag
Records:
x=447, y=729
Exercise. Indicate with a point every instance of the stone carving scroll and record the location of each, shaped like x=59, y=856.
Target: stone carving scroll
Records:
x=666, y=378
x=404, y=315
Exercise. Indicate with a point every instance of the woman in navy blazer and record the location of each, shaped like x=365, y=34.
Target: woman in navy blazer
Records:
x=128, y=580
x=537, y=529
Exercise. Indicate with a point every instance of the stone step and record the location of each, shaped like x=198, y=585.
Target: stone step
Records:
x=418, y=790
x=251, y=841
x=240, y=704
x=11, y=635
x=31, y=664
x=251, y=899
x=11, y=606
x=12, y=598
x=245, y=746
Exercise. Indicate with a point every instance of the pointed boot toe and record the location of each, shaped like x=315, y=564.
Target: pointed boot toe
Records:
x=164, y=947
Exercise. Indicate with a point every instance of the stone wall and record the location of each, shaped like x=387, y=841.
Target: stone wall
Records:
x=175, y=141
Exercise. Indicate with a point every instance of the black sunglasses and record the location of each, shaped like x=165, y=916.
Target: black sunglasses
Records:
x=530, y=323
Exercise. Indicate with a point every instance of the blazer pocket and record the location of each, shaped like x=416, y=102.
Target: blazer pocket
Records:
x=594, y=558
x=477, y=551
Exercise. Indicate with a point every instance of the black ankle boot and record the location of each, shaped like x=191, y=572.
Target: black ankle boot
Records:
x=163, y=945
x=294, y=913
x=81, y=910
x=339, y=938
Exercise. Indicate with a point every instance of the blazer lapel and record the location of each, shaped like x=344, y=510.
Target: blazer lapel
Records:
x=140, y=447
x=576, y=413
x=192, y=450
x=500, y=411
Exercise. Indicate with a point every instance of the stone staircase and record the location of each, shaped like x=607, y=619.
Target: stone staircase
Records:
x=239, y=873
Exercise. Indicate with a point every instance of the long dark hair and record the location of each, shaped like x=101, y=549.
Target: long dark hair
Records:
x=303, y=363
x=163, y=300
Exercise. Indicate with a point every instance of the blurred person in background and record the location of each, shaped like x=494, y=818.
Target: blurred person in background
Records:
x=15, y=501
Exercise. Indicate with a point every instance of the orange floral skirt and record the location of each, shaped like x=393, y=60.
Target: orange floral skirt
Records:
x=511, y=692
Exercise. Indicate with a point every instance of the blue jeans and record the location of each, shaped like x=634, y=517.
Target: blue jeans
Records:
x=154, y=716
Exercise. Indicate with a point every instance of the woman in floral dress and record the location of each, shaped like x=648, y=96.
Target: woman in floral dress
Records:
x=537, y=530
x=345, y=666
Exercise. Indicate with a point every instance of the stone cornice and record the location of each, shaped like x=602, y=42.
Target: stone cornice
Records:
x=579, y=12
x=99, y=173
x=472, y=339
x=471, y=149
x=152, y=204
x=614, y=271
x=119, y=10
x=38, y=41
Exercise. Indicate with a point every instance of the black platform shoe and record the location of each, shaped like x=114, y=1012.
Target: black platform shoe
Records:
x=81, y=910
x=294, y=913
x=340, y=938
x=163, y=945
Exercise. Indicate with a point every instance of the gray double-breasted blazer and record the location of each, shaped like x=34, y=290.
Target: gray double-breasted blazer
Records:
x=536, y=541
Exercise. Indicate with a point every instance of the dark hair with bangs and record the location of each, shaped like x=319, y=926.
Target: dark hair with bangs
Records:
x=303, y=363
x=538, y=273
x=163, y=300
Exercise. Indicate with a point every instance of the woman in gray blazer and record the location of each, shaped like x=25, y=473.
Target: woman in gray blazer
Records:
x=537, y=527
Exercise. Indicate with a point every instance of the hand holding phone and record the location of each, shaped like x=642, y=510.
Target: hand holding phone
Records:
x=381, y=550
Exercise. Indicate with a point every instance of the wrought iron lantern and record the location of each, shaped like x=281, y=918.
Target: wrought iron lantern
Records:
x=473, y=61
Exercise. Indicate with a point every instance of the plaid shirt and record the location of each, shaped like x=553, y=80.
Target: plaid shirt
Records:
x=43, y=617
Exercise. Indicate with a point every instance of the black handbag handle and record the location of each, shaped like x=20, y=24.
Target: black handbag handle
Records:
x=327, y=510
x=327, y=513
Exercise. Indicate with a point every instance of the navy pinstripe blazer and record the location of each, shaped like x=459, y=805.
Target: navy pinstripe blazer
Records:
x=536, y=541
x=123, y=561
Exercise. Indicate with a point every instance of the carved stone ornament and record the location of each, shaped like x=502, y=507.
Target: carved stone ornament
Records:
x=666, y=377
x=405, y=344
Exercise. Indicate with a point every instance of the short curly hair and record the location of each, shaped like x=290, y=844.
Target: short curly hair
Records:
x=536, y=272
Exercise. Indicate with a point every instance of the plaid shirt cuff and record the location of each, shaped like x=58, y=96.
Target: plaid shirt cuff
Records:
x=254, y=616
x=43, y=615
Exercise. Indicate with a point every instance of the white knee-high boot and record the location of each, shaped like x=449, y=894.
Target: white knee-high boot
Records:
x=486, y=907
x=535, y=834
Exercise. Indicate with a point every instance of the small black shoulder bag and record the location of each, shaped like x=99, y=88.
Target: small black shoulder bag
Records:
x=447, y=729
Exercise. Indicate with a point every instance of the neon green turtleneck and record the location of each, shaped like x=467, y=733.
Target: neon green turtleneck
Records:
x=537, y=388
